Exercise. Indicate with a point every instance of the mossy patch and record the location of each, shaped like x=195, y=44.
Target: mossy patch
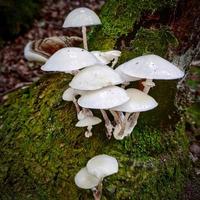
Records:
x=42, y=150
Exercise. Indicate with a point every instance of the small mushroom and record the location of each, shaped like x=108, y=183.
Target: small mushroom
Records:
x=85, y=180
x=89, y=122
x=95, y=77
x=82, y=17
x=69, y=60
x=102, y=166
x=104, y=99
x=107, y=57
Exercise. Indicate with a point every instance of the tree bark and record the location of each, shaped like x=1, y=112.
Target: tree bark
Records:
x=42, y=150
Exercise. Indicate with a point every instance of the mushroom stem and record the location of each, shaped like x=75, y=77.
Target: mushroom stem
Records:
x=148, y=84
x=108, y=124
x=76, y=106
x=88, y=133
x=120, y=131
x=132, y=121
x=84, y=37
x=97, y=191
x=118, y=116
x=114, y=62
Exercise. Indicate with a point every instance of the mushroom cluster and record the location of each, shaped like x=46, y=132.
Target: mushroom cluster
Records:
x=97, y=84
x=97, y=168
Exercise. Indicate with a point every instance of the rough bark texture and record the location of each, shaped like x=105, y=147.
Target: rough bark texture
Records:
x=42, y=150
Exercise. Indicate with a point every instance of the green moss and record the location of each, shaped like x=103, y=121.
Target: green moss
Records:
x=119, y=17
x=42, y=150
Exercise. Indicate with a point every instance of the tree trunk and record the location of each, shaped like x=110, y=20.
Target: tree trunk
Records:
x=42, y=150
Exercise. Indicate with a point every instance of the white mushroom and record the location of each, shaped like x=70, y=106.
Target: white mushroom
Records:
x=104, y=99
x=126, y=78
x=150, y=67
x=82, y=17
x=89, y=122
x=102, y=166
x=85, y=180
x=107, y=56
x=138, y=102
x=95, y=77
x=69, y=60
x=31, y=55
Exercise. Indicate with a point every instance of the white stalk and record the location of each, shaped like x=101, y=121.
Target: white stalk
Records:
x=88, y=133
x=76, y=106
x=120, y=133
x=97, y=191
x=84, y=29
x=108, y=124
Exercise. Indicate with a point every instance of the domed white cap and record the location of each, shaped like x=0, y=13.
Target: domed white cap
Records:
x=102, y=166
x=125, y=77
x=95, y=77
x=88, y=121
x=151, y=67
x=81, y=17
x=104, y=98
x=69, y=59
x=139, y=102
x=100, y=57
x=85, y=180
x=70, y=93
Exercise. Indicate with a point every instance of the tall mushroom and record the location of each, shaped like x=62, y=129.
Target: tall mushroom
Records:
x=82, y=17
x=88, y=122
x=149, y=67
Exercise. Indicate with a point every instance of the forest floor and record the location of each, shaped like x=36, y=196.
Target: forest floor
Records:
x=16, y=72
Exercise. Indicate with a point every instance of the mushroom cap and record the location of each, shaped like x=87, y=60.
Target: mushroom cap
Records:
x=81, y=17
x=88, y=121
x=95, y=77
x=85, y=180
x=106, y=57
x=151, y=67
x=139, y=102
x=104, y=98
x=70, y=93
x=99, y=55
x=102, y=166
x=69, y=59
x=30, y=55
x=125, y=77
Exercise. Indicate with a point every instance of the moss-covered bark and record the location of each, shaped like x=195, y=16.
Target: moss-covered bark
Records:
x=42, y=150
